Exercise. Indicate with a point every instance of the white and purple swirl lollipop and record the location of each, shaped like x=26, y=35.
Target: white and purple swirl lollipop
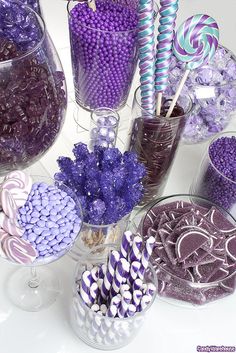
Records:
x=195, y=44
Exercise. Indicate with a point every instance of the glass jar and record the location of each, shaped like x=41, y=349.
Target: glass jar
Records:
x=35, y=4
x=104, y=127
x=211, y=182
x=93, y=235
x=213, y=90
x=32, y=87
x=103, y=61
x=194, y=253
x=155, y=140
x=96, y=330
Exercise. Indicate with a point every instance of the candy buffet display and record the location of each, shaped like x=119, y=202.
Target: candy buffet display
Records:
x=213, y=91
x=104, y=127
x=32, y=87
x=39, y=221
x=111, y=297
x=103, y=51
x=108, y=185
x=216, y=177
x=194, y=250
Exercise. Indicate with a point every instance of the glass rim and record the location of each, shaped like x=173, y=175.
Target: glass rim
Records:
x=221, y=134
x=29, y=52
x=163, y=118
x=106, y=31
x=112, y=246
x=109, y=111
x=190, y=283
x=47, y=261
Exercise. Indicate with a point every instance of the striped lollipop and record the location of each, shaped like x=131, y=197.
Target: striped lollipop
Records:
x=195, y=44
x=146, y=54
x=168, y=10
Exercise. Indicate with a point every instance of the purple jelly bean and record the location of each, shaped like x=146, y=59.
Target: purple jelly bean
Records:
x=53, y=212
x=76, y=227
x=38, y=230
x=51, y=237
x=51, y=224
x=53, y=218
x=32, y=237
x=53, y=242
x=29, y=226
x=44, y=241
x=45, y=212
x=23, y=218
x=41, y=224
x=60, y=237
x=42, y=253
x=35, y=202
x=22, y=211
x=46, y=233
x=73, y=235
x=39, y=239
x=55, y=231
x=67, y=240
x=33, y=220
x=39, y=208
x=44, y=218
x=56, y=248
x=41, y=247
x=63, y=245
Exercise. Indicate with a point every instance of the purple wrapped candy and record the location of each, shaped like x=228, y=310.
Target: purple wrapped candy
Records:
x=213, y=91
x=104, y=52
x=32, y=88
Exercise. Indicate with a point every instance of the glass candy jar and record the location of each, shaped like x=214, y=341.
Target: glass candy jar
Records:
x=32, y=87
x=104, y=127
x=104, y=52
x=155, y=140
x=213, y=90
x=216, y=176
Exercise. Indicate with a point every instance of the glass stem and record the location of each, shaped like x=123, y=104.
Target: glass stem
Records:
x=34, y=280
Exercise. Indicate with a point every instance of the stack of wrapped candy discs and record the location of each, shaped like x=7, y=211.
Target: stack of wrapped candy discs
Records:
x=118, y=289
x=39, y=222
x=194, y=253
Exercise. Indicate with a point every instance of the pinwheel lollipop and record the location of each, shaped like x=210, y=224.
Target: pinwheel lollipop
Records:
x=195, y=44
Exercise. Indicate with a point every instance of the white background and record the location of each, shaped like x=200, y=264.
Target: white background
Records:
x=168, y=329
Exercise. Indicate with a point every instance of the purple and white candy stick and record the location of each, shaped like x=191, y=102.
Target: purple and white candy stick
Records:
x=131, y=310
x=109, y=275
x=112, y=311
x=124, y=304
x=85, y=286
x=135, y=251
x=120, y=276
x=137, y=285
x=134, y=268
x=93, y=292
x=137, y=296
x=147, y=252
x=126, y=244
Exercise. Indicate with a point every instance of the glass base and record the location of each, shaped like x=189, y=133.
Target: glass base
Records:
x=33, y=294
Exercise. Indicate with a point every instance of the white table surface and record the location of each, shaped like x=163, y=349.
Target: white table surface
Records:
x=168, y=329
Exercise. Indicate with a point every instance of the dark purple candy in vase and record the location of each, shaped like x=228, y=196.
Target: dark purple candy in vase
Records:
x=194, y=254
x=155, y=140
x=104, y=52
x=32, y=88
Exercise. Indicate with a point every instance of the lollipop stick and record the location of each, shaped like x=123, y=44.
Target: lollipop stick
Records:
x=158, y=107
x=176, y=96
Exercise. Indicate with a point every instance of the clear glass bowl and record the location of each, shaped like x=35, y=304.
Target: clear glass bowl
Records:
x=93, y=235
x=33, y=286
x=174, y=283
x=213, y=184
x=33, y=94
x=155, y=140
x=213, y=90
x=98, y=331
x=103, y=62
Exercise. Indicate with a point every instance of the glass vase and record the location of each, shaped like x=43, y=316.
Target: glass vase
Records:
x=32, y=87
x=103, y=62
x=35, y=286
x=213, y=91
x=93, y=235
x=210, y=182
x=96, y=330
x=189, y=272
x=104, y=127
x=155, y=140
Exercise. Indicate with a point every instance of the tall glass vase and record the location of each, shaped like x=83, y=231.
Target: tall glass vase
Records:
x=103, y=61
x=155, y=140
